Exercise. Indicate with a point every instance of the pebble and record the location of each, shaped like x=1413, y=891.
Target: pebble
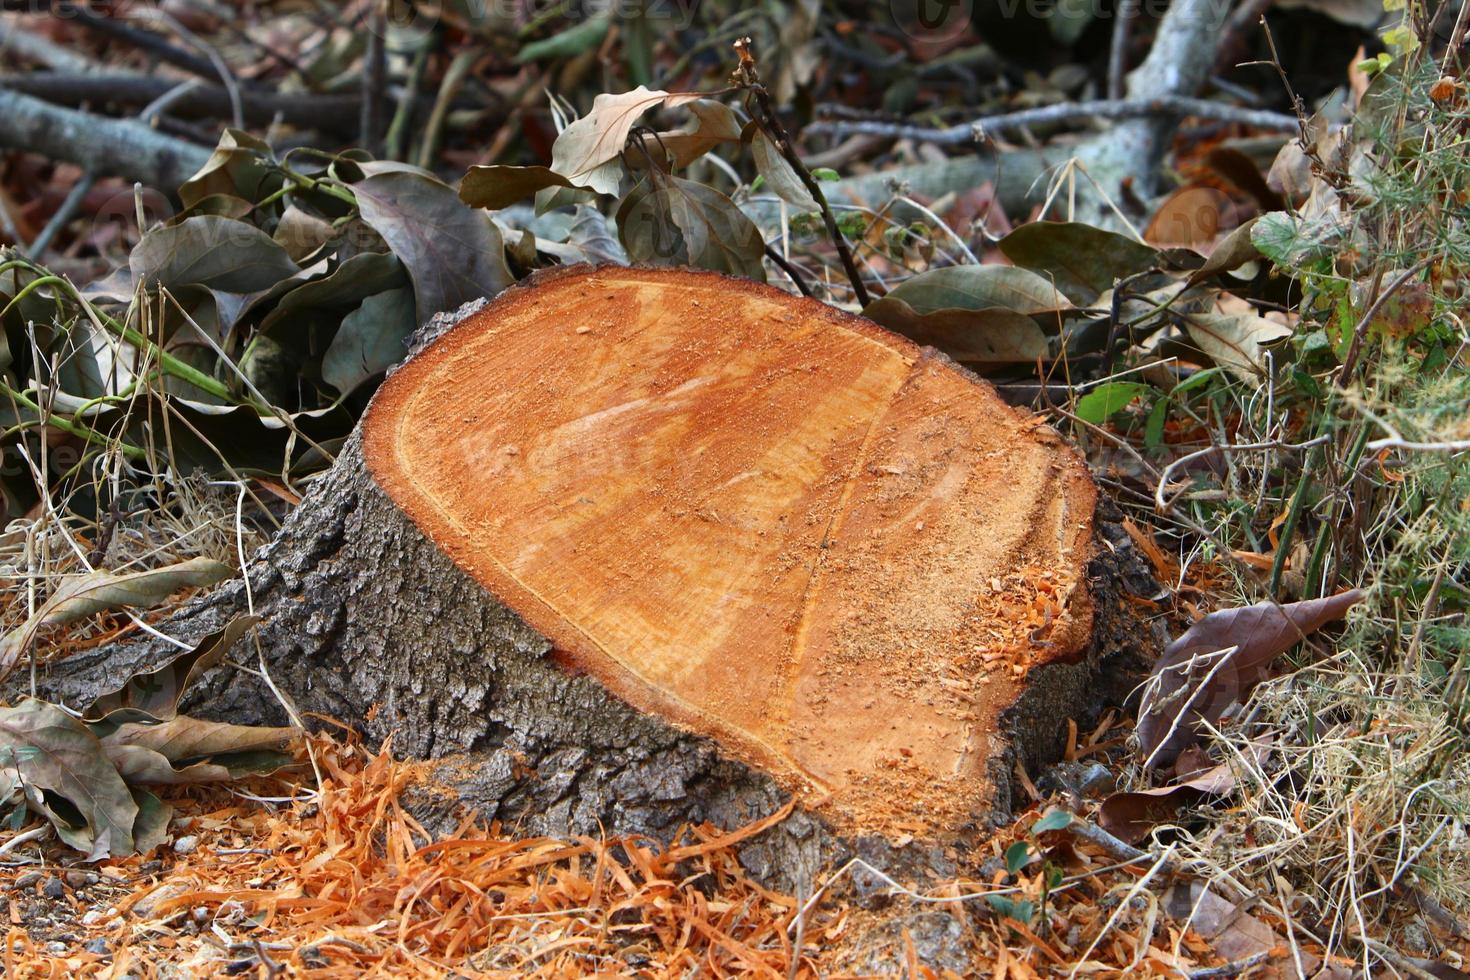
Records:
x=92, y=917
x=53, y=888
x=26, y=880
x=56, y=948
x=186, y=845
x=98, y=946
x=80, y=879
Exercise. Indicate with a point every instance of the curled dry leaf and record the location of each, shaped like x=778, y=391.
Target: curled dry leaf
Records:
x=96, y=592
x=666, y=220
x=991, y=336
x=53, y=752
x=1217, y=662
x=584, y=147
x=1130, y=816
x=1235, y=341
x=714, y=123
x=155, y=695
x=497, y=187
x=779, y=175
x=211, y=251
x=453, y=254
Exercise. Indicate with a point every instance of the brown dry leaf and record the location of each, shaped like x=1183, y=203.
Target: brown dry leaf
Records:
x=1190, y=217
x=583, y=149
x=1217, y=662
x=1130, y=816
x=1235, y=341
x=95, y=592
x=1165, y=568
x=155, y=694
x=714, y=123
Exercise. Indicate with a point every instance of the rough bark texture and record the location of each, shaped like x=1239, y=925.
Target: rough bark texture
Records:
x=365, y=620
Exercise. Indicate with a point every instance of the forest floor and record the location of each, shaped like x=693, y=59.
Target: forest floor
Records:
x=1262, y=358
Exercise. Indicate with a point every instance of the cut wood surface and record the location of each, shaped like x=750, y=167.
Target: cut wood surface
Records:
x=626, y=551
x=762, y=519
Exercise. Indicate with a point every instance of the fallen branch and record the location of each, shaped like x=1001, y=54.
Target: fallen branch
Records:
x=17, y=43
x=1171, y=107
x=97, y=144
x=338, y=113
x=155, y=44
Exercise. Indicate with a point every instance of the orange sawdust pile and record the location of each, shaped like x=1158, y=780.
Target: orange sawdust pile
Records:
x=344, y=882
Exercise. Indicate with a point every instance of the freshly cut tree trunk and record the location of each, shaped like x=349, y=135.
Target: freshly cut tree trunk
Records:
x=768, y=523
x=629, y=548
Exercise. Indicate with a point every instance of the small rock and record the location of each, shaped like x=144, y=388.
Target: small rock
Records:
x=27, y=879
x=80, y=879
x=98, y=946
x=92, y=917
x=53, y=888
x=186, y=845
x=55, y=948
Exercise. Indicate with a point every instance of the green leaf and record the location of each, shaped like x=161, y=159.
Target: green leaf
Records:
x=1055, y=820
x=1195, y=380
x=1083, y=261
x=827, y=174
x=453, y=253
x=1017, y=855
x=212, y=251
x=1293, y=242
x=1098, y=405
x=370, y=340
x=1020, y=910
x=1068, y=21
x=667, y=220
x=1153, y=431
x=779, y=174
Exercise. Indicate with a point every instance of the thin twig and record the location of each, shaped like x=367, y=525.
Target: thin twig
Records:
x=1123, y=17
x=1061, y=112
x=374, y=72
x=1351, y=360
x=1163, y=505
x=772, y=125
x=791, y=271
x=64, y=214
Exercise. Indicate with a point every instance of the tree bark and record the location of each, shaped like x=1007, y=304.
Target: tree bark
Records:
x=368, y=620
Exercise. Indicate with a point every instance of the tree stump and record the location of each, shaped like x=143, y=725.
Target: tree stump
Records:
x=630, y=548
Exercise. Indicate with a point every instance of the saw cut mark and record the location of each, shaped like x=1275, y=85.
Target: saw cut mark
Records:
x=770, y=522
